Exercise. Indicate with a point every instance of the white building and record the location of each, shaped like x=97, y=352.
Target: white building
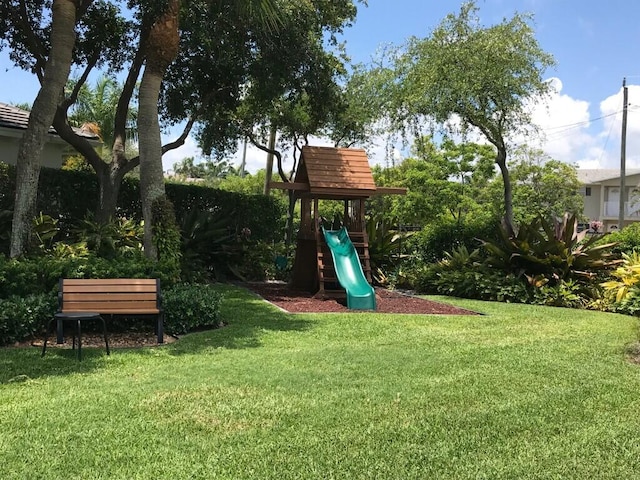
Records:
x=13, y=123
x=601, y=192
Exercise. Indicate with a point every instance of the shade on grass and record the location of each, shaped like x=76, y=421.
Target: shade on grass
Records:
x=520, y=392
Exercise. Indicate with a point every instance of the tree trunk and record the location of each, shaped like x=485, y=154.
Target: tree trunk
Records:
x=56, y=73
x=162, y=48
x=269, y=171
x=109, y=182
x=501, y=160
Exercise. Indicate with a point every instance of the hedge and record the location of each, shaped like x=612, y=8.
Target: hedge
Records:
x=60, y=190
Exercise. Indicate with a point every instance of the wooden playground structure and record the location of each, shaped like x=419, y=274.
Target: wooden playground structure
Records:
x=327, y=173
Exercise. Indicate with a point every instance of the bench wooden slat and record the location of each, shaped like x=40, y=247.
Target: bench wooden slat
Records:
x=109, y=288
x=109, y=281
x=114, y=311
x=109, y=297
x=70, y=304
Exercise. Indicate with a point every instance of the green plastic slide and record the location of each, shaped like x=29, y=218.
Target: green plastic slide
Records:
x=360, y=295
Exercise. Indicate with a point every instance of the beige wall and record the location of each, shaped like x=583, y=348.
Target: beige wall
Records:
x=52, y=154
x=592, y=203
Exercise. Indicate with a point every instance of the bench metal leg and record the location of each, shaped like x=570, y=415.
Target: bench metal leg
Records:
x=160, y=328
x=104, y=332
x=59, y=334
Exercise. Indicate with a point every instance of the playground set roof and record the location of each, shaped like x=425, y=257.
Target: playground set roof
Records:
x=328, y=172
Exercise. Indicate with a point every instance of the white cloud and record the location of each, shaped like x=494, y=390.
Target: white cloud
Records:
x=576, y=133
x=563, y=122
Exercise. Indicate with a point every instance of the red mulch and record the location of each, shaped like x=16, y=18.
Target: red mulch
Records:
x=387, y=301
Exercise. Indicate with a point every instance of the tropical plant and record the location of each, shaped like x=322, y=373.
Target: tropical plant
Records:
x=117, y=237
x=459, y=258
x=626, y=278
x=549, y=252
x=384, y=244
x=45, y=228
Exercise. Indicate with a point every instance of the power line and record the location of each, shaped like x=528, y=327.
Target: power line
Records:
x=585, y=122
x=606, y=142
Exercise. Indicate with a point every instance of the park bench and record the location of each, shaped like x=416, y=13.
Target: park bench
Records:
x=82, y=299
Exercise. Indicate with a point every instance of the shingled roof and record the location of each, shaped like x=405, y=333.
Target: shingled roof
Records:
x=332, y=172
x=16, y=118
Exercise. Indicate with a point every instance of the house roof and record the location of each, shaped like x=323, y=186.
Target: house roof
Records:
x=16, y=118
x=591, y=176
x=336, y=172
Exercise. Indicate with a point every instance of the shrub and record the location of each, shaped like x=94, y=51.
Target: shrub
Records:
x=27, y=276
x=482, y=284
x=569, y=294
x=261, y=261
x=59, y=191
x=433, y=241
x=626, y=240
x=24, y=317
x=190, y=307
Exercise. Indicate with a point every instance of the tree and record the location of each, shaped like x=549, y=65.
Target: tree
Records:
x=286, y=83
x=54, y=77
x=208, y=170
x=542, y=187
x=48, y=46
x=444, y=181
x=481, y=77
x=161, y=49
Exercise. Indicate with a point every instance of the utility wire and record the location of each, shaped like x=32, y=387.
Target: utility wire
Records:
x=572, y=125
x=606, y=142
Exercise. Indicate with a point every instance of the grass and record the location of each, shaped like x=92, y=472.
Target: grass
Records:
x=520, y=392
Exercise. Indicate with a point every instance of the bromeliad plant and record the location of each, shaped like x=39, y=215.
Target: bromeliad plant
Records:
x=547, y=253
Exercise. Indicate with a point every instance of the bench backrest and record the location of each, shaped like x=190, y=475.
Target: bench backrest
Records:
x=110, y=295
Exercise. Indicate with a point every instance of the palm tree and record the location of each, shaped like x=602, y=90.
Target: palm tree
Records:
x=97, y=106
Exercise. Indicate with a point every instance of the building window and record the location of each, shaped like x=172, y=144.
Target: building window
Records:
x=587, y=191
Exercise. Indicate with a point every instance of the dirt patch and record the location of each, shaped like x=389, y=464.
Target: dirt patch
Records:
x=387, y=301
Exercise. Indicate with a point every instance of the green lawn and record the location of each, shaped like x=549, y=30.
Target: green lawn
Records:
x=520, y=392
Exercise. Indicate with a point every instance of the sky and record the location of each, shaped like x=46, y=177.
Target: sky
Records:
x=595, y=44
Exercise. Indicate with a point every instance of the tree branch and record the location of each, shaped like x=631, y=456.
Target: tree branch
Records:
x=35, y=45
x=67, y=102
x=277, y=154
x=181, y=139
x=80, y=144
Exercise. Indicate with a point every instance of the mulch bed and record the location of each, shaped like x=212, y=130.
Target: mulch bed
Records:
x=387, y=301
x=93, y=339
x=281, y=295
